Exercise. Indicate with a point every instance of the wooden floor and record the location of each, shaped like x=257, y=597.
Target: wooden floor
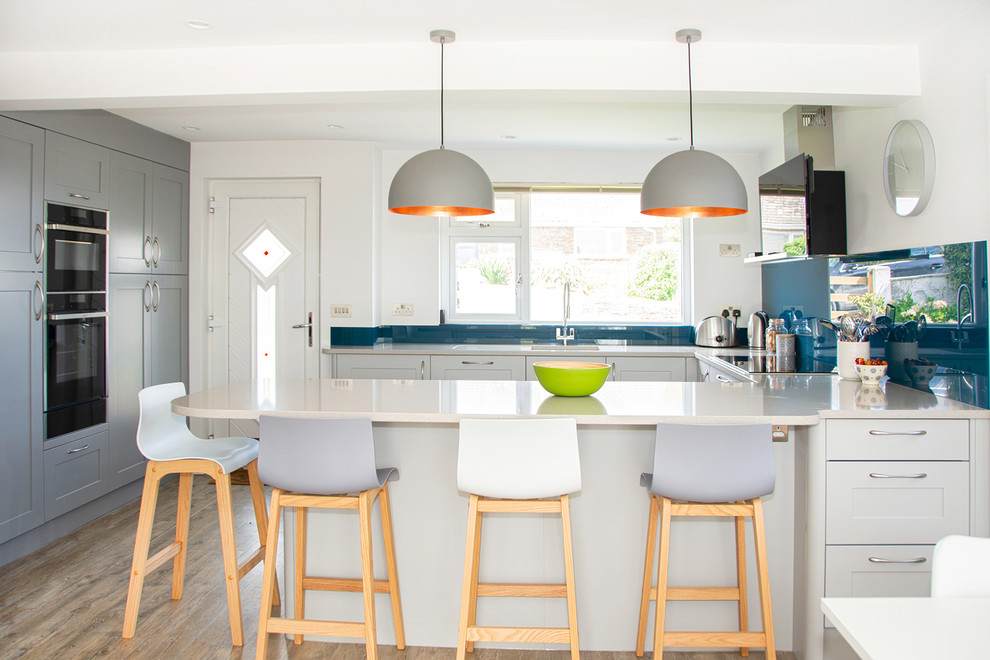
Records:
x=66, y=601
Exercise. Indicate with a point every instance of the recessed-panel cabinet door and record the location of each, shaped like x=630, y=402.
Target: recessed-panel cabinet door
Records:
x=131, y=243
x=21, y=400
x=170, y=330
x=76, y=172
x=170, y=235
x=22, y=221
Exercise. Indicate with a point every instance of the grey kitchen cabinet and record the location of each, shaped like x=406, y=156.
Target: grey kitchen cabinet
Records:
x=711, y=374
x=76, y=172
x=76, y=472
x=149, y=217
x=647, y=368
x=477, y=367
x=148, y=333
x=22, y=398
x=22, y=179
x=400, y=366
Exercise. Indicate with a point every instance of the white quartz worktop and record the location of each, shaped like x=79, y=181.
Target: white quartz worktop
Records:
x=799, y=400
x=556, y=350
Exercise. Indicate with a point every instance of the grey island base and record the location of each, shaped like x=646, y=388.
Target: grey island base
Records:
x=836, y=439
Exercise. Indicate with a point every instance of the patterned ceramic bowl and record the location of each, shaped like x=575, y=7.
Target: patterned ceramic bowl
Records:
x=871, y=373
x=919, y=373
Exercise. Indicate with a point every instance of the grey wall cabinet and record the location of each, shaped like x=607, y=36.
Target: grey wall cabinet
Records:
x=149, y=335
x=76, y=172
x=22, y=401
x=149, y=217
x=22, y=219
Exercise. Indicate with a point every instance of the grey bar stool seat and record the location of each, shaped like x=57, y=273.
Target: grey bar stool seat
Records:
x=710, y=470
x=317, y=463
x=516, y=466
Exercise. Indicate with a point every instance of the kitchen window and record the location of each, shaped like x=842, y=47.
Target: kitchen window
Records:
x=623, y=266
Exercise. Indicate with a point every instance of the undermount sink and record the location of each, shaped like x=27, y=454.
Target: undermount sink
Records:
x=561, y=347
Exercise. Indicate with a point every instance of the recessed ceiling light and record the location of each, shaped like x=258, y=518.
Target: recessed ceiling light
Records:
x=190, y=128
x=335, y=127
x=199, y=25
x=674, y=138
x=508, y=137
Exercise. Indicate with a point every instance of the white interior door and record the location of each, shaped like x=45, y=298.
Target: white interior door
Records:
x=264, y=313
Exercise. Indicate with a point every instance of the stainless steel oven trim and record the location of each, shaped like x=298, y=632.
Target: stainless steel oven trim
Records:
x=80, y=315
x=81, y=230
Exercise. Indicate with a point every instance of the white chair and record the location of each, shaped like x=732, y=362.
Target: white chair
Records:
x=510, y=465
x=961, y=567
x=314, y=463
x=711, y=470
x=171, y=448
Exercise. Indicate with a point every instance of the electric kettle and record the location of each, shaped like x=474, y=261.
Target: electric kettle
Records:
x=757, y=330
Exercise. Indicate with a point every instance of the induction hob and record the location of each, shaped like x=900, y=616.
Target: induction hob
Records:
x=762, y=362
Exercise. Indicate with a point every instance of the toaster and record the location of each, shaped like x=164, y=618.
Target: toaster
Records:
x=715, y=332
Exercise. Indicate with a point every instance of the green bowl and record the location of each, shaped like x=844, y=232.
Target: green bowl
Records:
x=571, y=378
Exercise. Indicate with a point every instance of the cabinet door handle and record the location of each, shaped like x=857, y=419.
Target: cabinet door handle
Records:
x=477, y=362
x=144, y=296
x=722, y=379
x=878, y=432
x=146, y=250
x=77, y=450
x=612, y=372
x=40, y=308
x=882, y=560
x=881, y=475
x=154, y=258
x=156, y=296
x=77, y=196
x=40, y=233
x=422, y=370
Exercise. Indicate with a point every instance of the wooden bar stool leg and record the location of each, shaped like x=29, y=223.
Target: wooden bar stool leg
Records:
x=299, y=572
x=260, y=510
x=228, y=544
x=469, y=585
x=565, y=516
x=181, y=533
x=763, y=576
x=741, y=578
x=142, y=542
x=268, y=578
x=368, y=574
x=393, y=573
x=473, y=603
x=662, y=561
x=644, y=604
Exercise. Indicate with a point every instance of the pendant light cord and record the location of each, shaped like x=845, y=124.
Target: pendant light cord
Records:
x=442, y=40
x=690, y=94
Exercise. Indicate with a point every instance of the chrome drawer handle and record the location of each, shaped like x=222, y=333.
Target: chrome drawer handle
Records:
x=881, y=560
x=74, y=451
x=881, y=475
x=876, y=432
x=477, y=362
x=77, y=195
x=722, y=379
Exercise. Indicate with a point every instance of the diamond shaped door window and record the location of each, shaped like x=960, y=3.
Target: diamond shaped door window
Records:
x=265, y=254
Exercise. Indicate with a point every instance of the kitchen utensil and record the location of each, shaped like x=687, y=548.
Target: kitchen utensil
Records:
x=756, y=330
x=571, y=378
x=848, y=326
x=922, y=326
x=715, y=332
x=891, y=312
x=830, y=325
x=911, y=331
x=883, y=324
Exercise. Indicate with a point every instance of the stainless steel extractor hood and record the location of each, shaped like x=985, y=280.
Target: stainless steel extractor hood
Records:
x=808, y=130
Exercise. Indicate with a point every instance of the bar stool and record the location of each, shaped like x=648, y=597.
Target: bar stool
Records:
x=171, y=448
x=509, y=466
x=712, y=470
x=314, y=463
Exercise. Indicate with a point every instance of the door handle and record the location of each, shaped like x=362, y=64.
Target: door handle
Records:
x=40, y=232
x=40, y=309
x=485, y=362
x=308, y=326
x=144, y=296
x=156, y=296
x=877, y=432
x=881, y=475
x=77, y=195
x=77, y=450
x=154, y=259
x=146, y=249
x=882, y=560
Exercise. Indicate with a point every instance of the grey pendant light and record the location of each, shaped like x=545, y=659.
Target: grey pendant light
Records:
x=693, y=183
x=441, y=182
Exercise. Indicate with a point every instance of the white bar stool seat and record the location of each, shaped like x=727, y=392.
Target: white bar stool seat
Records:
x=510, y=466
x=171, y=448
x=961, y=567
x=315, y=463
x=711, y=470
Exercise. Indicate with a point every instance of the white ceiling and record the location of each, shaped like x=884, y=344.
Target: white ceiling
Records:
x=551, y=73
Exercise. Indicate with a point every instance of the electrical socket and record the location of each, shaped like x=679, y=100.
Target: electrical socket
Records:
x=729, y=250
x=402, y=309
x=727, y=311
x=340, y=311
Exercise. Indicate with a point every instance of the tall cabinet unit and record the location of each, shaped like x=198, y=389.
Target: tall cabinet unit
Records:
x=22, y=306
x=148, y=295
x=76, y=172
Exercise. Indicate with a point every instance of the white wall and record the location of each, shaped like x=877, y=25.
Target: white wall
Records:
x=410, y=255
x=955, y=63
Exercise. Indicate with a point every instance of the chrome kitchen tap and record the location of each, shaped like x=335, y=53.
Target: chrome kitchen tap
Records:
x=960, y=335
x=566, y=334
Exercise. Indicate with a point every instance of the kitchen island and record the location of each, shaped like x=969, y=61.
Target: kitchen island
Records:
x=416, y=430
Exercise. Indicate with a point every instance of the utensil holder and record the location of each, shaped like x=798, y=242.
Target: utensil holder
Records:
x=846, y=353
x=895, y=352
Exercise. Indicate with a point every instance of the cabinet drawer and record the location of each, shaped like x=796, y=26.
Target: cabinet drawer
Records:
x=897, y=440
x=401, y=366
x=76, y=473
x=477, y=367
x=880, y=502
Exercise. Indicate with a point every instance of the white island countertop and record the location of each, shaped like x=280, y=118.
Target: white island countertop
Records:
x=584, y=350
x=799, y=400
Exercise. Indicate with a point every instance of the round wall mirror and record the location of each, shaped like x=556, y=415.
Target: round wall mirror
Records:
x=909, y=167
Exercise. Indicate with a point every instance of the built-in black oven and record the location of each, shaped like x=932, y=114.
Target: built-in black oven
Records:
x=76, y=332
